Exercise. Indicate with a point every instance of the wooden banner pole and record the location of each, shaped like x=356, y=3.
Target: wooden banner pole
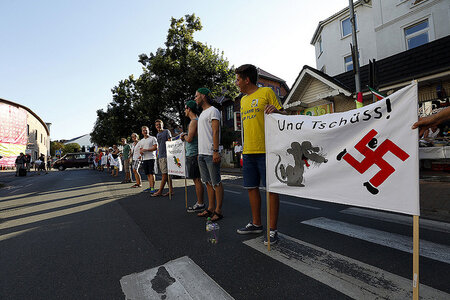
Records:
x=185, y=190
x=416, y=257
x=268, y=219
x=169, y=179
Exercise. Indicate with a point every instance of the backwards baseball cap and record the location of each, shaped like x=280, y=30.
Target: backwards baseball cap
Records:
x=191, y=104
x=204, y=91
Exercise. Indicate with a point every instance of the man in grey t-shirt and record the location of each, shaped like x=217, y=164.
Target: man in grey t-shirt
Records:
x=163, y=136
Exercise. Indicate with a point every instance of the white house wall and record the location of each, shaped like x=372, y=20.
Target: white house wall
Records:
x=335, y=48
x=391, y=17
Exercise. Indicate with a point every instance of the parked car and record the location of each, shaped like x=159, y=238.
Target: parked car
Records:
x=74, y=160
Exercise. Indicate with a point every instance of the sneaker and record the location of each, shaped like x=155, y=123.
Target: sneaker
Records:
x=196, y=208
x=250, y=228
x=151, y=190
x=273, y=237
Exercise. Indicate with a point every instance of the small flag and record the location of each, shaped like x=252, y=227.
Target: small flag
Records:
x=359, y=100
x=376, y=93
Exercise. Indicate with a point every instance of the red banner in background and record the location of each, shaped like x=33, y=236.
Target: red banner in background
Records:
x=13, y=133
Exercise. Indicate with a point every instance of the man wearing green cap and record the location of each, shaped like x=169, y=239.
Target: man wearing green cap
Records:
x=191, y=138
x=208, y=154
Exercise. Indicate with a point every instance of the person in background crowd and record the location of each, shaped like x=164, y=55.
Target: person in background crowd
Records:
x=238, y=153
x=256, y=102
x=28, y=162
x=136, y=160
x=208, y=153
x=163, y=136
x=49, y=163
x=105, y=160
x=100, y=159
x=116, y=162
x=191, y=138
x=20, y=163
x=126, y=160
x=147, y=147
x=41, y=164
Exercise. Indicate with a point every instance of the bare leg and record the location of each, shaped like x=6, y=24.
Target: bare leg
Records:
x=137, y=176
x=151, y=180
x=198, y=190
x=218, y=191
x=211, y=197
x=162, y=185
x=274, y=202
x=255, y=204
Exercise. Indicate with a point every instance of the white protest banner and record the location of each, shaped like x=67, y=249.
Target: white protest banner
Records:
x=364, y=157
x=176, y=158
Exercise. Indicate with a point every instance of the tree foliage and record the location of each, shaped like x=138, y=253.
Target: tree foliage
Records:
x=171, y=75
x=71, y=147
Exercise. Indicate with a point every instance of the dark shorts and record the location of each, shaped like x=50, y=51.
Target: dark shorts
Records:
x=148, y=166
x=254, y=170
x=192, y=167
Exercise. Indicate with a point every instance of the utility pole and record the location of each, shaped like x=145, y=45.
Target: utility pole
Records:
x=355, y=56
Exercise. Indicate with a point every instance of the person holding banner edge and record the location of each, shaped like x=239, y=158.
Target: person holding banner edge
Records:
x=209, y=156
x=432, y=121
x=191, y=139
x=256, y=102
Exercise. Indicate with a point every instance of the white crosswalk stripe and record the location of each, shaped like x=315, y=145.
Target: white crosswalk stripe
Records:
x=395, y=218
x=346, y=275
x=404, y=243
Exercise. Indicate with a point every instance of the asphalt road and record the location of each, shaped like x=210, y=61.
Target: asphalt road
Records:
x=75, y=234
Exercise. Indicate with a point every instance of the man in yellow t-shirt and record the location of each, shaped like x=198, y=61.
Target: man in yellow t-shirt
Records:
x=256, y=102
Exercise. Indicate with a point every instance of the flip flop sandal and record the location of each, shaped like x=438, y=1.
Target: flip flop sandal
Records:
x=219, y=217
x=136, y=186
x=206, y=213
x=156, y=195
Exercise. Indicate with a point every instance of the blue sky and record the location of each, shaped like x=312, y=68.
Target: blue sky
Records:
x=61, y=58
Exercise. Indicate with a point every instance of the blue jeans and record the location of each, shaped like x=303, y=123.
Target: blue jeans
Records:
x=209, y=171
x=254, y=170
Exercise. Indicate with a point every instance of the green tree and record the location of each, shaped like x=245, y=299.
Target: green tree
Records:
x=71, y=147
x=170, y=76
x=55, y=146
x=178, y=70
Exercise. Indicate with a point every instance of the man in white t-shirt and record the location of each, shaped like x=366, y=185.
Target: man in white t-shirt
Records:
x=208, y=154
x=147, y=148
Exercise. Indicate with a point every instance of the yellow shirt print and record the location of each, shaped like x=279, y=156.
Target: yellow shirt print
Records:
x=252, y=118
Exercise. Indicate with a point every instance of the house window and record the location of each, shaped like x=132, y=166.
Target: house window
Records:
x=319, y=45
x=348, y=62
x=278, y=91
x=41, y=137
x=417, y=34
x=346, y=26
x=35, y=135
x=229, y=112
x=28, y=130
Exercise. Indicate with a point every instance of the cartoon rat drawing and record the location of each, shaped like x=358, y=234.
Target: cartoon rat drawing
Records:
x=293, y=175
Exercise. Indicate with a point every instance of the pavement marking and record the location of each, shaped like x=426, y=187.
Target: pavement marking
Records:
x=399, y=219
x=346, y=275
x=396, y=241
x=233, y=192
x=178, y=279
x=301, y=205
